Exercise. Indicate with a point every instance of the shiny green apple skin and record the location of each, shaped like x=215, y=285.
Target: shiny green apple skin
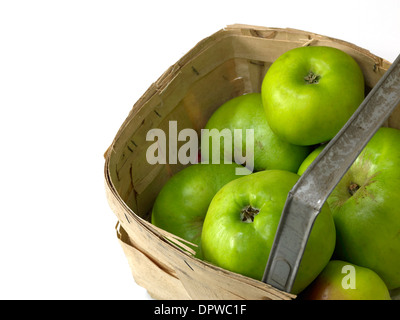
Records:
x=270, y=151
x=243, y=247
x=335, y=283
x=182, y=203
x=309, y=93
x=309, y=159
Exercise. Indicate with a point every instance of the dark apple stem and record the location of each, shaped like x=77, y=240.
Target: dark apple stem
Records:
x=353, y=187
x=312, y=78
x=248, y=213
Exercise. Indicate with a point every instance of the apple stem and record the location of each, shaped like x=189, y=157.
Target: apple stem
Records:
x=248, y=213
x=353, y=187
x=312, y=78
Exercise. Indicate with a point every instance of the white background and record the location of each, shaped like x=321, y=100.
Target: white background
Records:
x=70, y=71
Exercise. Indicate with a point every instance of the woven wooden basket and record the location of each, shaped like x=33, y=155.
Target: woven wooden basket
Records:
x=229, y=63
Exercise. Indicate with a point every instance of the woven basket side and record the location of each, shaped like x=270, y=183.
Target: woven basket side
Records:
x=147, y=271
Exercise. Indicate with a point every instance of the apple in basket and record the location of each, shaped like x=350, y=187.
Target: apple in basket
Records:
x=365, y=207
x=341, y=280
x=241, y=114
x=309, y=93
x=242, y=220
x=182, y=203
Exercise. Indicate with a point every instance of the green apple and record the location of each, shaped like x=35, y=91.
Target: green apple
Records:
x=242, y=220
x=309, y=93
x=182, y=203
x=341, y=280
x=365, y=207
x=310, y=158
x=270, y=151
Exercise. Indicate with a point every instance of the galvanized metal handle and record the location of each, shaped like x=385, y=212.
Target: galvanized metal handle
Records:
x=305, y=200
